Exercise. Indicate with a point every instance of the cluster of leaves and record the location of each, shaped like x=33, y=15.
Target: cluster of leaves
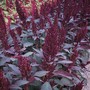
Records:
x=45, y=49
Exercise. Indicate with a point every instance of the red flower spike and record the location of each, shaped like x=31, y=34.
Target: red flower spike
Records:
x=27, y=1
x=51, y=46
x=61, y=37
x=34, y=28
x=61, y=32
x=3, y=32
x=4, y=83
x=48, y=20
x=45, y=9
x=73, y=57
x=19, y=30
x=48, y=67
x=79, y=86
x=8, y=23
x=20, y=12
x=24, y=65
x=34, y=10
x=42, y=10
x=81, y=34
x=42, y=23
x=9, y=4
x=15, y=40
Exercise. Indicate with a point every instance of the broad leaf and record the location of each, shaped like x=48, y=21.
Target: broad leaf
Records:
x=14, y=68
x=21, y=82
x=15, y=87
x=62, y=74
x=68, y=46
x=27, y=44
x=40, y=73
x=65, y=62
x=39, y=53
x=28, y=54
x=66, y=82
x=46, y=86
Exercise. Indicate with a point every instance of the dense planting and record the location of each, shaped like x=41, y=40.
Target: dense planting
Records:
x=44, y=45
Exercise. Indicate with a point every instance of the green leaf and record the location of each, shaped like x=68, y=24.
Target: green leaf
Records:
x=66, y=82
x=46, y=86
x=14, y=68
x=21, y=82
x=55, y=88
x=15, y=87
x=63, y=73
x=27, y=44
x=28, y=54
x=40, y=73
